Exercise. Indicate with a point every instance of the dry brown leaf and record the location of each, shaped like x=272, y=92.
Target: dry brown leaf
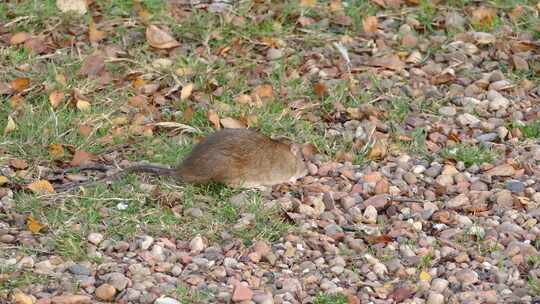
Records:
x=10, y=125
x=3, y=180
x=61, y=79
x=85, y=130
x=92, y=65
x=82, y=105
x=342, y=156
x=77, y=6
x=320, y=89
x=391, y=62
x=378, y=151
x=244, y=99
x=370, y=24
x=336, y=6
x=213, y=117
x=81, y=157
x=19, y=164
x=34, y=225
x=186, y=91
x=159, y=38
x=264, y=91
x=94, y=35
x=56, y=98
x=56, y=150
x=120, y=120
x=484, y=16
x=231, y=123
x=19, y=38
x=41, y=187
x=308, y=3
x=20, y=84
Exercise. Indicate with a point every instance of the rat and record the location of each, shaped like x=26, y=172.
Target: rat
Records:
x=234, y=157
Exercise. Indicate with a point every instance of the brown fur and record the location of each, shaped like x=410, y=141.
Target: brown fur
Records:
x=236, y=157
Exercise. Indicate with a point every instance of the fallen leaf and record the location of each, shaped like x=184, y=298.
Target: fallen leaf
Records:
x=160, y=39
x=244, y=99
x=484, y=16
x=77, y=6
x=41, y=187
x=3, y=180
x=61, y=79
x=370, y=24
x=336, y=6
x=19, y=38
x=120, y=120
x=94, y=35
x=34, y=225
x=391, y=62
x=320, y=89
x=10, y=125
x=16, y=102
x=378, y=151
x=308, y=3
x=400, y=294
x=85, y=130
x=56, y=98
x=381, y=3
x=56, y=150
x=264, y=91
x=18, y=164
x=186, y=91
x=22, y=298
x=213, y=117
x=81, y=157
x=36, y=44
x=384, y=239
x=83, y=105
x=344, y=156
x=424, y=276
x=92, y=65
x=231, y=123
x=20, y=84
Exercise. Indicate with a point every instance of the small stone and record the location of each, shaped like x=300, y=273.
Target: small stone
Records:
x=435, y=298
x=500, y=85
x=515, y=186
x=467, y=277
x=166, y=300
x=105, y=292
x=447, y=111
x=439, y=285
x=409, y=40
x=499, y=103
x=146, y=242
x=370, y=215
x=21, y=298
x=118, y=280
x=520, y=64
x=95, y=238
x=502, y=170
x=487, y=137
x=453, y=20
x=274, y=54
x=242, y=293
x=467, y=119
x=483, y=38
x=7, y=238
x=263, y=298
x=79, y=269
x=197, y=244
x=194, y=212
x=410, y=178
x=71, y=299
x=377, y=201
x=496, y=76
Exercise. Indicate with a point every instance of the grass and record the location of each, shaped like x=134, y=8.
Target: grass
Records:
x=529, y=129
x=469, y=154
x=324, y=298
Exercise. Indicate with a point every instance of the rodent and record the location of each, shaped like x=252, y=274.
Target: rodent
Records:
x=235, y=157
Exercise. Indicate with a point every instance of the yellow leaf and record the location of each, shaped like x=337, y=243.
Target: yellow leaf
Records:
x=370, y=24
x=120, y=120
x=308, y=3
x=424, y=276
x=3, y=180
x=56, y=98
x=56, y=150
x=378, y=151
x=94, y=35
x=231, y=123
x=184, y=71
x=41, y=187
x=159, y=38
x=34, y=225
x=83, y=105
x=186, y=91
x=10, y=126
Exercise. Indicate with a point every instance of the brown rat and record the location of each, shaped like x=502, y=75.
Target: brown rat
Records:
x=235, y=157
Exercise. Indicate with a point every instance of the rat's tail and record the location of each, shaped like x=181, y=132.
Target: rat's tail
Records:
x=154, y=169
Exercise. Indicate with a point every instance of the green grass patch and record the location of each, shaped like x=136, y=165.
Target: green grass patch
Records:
x=325, y=298
x=530, y=129
x=469, y=154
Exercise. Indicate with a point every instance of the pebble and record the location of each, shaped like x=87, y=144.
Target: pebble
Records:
x=468, y=120
x=79, y=269
x=146, y=241
x=166, y=300
x=439, y=285
x=71, y=299
x=515, y=186
x=370, y=215
x=118, y=280
x=241, y=293
x=467, y=277
x=447, y=111
x=21, y=298
x=95, y=238
x=274, y=54
x=435, y=298
x=197, y=244
x=105, y=292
